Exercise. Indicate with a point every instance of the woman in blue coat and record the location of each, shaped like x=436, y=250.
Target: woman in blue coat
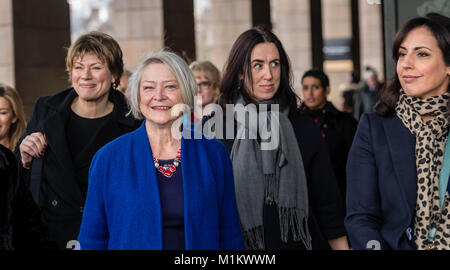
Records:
x=159, y=187
x=397, y=195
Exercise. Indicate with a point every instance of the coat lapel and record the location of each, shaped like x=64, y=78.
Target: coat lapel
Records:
x=401, y=144
x=55, y=132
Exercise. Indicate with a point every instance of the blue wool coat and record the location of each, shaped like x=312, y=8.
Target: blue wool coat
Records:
x=123, y=208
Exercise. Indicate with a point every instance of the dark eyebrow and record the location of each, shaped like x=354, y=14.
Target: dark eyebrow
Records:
x=262, y=61
x=417, y=48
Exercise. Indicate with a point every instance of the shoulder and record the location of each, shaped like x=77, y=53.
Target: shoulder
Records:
x=302, y=119
x=118, y=99
x=54, y=101
x=119, y=146
x=211, y=145
x=7, y=158
x=304, y=127
x=346, y=119
x=373, y=118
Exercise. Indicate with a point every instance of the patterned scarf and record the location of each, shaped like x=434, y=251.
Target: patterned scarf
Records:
x=430, y=145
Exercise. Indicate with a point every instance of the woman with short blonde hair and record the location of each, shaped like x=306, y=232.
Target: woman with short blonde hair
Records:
x=66, y=129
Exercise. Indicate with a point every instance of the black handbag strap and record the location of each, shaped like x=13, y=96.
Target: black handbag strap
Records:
x=35, y=179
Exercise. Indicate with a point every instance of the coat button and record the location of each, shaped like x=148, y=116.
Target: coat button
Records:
x=54, y=203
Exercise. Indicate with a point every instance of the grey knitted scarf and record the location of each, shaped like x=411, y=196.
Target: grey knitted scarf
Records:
x=268, y=177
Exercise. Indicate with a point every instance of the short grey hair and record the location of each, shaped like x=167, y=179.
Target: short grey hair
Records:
x=176, y=65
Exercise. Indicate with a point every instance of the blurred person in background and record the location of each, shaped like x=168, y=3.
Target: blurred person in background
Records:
x=123, y=84
x=337, y=128
x=367, y=95
x=12, y=116
x=208, y=80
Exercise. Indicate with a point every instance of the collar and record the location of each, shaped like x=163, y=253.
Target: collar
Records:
x=61, y=102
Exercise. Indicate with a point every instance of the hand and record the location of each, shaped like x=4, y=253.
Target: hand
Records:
x=33, y=146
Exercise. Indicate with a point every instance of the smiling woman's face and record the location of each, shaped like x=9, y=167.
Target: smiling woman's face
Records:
x=91, y=78
x=421, y=68
x=159, y=92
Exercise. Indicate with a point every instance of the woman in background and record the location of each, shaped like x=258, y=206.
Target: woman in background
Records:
x=208, y=81
x=337, y=128
x=12, y=117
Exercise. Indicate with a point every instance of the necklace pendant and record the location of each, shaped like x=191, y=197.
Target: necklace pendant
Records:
x=167, y=174
x=168, y=169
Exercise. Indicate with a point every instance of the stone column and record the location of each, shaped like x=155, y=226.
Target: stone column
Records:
x=7, y=44
x=34, y=37
x=291, y=23
x=138, y=27
x=371, y=36
x=337, y=23
x=218, y=24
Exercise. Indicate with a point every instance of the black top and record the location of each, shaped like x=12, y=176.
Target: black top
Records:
x=81, y=134
x=326, y=207
x=172, y=208
x=338, y=129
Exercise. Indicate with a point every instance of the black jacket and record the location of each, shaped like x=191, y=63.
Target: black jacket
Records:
x=326, y=219
x=21, y=226
x=338, y=130
x=60, y=198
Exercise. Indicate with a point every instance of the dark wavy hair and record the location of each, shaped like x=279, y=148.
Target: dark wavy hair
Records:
x=318, y=74
x=439, y=25
x=238, y=65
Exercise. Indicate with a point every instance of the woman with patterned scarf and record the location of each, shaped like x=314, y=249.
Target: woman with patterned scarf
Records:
x=286, y=193
x=399, y=164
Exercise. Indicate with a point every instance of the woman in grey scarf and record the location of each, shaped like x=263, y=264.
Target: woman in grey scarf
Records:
x=286, y=191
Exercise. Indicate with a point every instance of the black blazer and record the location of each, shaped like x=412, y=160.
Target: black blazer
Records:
x=21, y=226
x=381, y=184
x=60, y=197
x=326, y=219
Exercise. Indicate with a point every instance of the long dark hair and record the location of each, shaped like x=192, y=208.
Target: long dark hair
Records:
x=439, y=25
x=238, y=65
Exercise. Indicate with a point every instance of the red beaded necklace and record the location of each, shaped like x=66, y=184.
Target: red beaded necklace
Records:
x=168, y=169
